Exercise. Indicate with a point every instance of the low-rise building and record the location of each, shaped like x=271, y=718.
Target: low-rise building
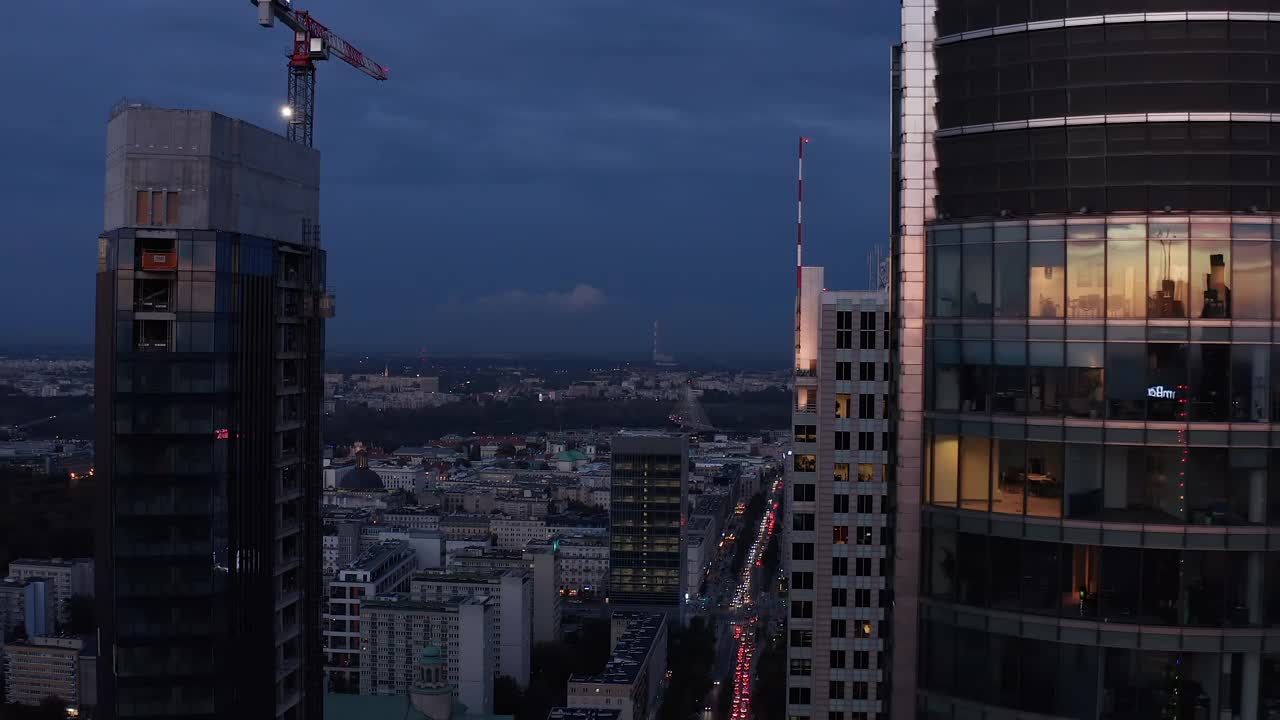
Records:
x=66, y=578
x=460, y=526
x=584, y=564
x=38, y=667
x=633, y=677
x=413, y=516
x=516, y=533
x=513, y=614
x=411, y=478
x=382, y=569
x=396, y=629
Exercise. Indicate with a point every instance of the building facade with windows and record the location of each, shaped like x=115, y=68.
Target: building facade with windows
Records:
x=513, y=616
x=210, y=339
x=647, y=502
x=383, y=569
x=1088, y=280
x=39, y=667
x=837, y=536
x=66, y=578
x=395, y=630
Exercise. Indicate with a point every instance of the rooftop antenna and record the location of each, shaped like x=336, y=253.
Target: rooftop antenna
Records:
x=799, y=233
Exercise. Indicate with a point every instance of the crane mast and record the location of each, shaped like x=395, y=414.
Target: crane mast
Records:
x=312, y=41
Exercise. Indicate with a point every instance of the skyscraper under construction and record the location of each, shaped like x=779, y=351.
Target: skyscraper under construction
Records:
x=210, y=345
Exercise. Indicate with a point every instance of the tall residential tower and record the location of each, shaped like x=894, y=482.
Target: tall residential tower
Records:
x=837, y=534
x=210, y=344
x=1087, y=468
x=650, y=488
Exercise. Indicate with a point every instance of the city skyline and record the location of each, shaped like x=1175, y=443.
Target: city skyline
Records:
x=625, y=144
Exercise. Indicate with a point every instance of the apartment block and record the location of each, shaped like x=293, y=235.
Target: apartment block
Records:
x=382, y=569
x=633, y=678
x=39, y=667
x=513, y=612
x=396, y=629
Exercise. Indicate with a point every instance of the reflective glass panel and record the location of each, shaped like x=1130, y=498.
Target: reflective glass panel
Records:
x=1010, y=280
x=1086, y=273
x=1082, y=496
x=1251, y=275
x=946, y=280
x=1249, y=389
x=1210, y=380
x=1169, y=271
x=1047, y=279
x=1044, y=479
x=1084, y=380
x=1010, y=471
x=1211, y=278
x=976, y=277
x=1126, y=278
x=1165, y=386
x=1126, y=381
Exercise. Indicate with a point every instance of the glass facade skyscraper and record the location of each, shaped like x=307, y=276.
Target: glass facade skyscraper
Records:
x=210, y=347
x=1088, y=292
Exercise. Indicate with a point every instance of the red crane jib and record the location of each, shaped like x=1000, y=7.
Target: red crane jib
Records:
x=336, y=45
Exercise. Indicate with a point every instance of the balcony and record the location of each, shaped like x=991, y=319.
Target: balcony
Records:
x=807, y=407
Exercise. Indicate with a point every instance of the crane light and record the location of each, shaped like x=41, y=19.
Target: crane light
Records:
x=286, y=111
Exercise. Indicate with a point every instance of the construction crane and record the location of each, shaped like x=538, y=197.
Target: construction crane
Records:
x=312, y=41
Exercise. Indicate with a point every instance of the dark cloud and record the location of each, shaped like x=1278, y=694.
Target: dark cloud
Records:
x=648, y=146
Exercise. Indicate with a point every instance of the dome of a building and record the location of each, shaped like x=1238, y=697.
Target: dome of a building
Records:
x=361, y=478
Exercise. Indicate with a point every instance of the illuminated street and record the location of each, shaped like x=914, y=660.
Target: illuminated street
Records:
x=744, y=612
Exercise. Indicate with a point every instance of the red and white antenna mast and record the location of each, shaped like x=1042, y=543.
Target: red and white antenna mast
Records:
x=799, y=233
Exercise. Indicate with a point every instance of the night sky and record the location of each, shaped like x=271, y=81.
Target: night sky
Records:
x=537, y=176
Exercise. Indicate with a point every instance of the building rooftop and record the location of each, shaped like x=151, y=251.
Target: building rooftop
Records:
x=402, y=601
x=47, y=562
x=378, y=554
x=13, y=583
x=472, y=576
x=630, y=652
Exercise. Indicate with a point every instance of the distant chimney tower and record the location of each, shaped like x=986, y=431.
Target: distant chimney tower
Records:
x=659, y=358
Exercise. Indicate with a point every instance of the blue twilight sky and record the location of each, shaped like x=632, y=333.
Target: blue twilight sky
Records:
x=537, y=175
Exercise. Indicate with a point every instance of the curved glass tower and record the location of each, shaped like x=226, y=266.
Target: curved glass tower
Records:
x=1089, y=317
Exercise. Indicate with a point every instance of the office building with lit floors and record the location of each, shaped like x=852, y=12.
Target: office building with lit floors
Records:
x=648, y=494
x=835, y=527
x=1088, y=291
x=210, y=343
